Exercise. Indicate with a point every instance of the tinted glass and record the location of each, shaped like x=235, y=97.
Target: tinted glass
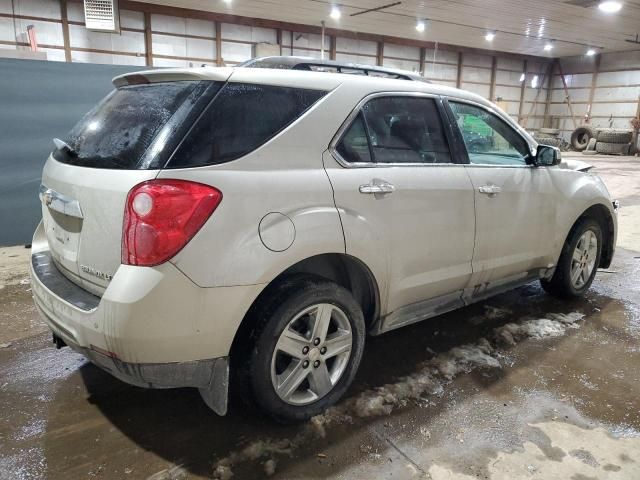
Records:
x=489, y=140
x=241, y=118
x=354, y=146
x=134, y=126
x=405, y=130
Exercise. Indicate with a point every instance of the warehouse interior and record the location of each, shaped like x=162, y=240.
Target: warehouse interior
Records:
x=527, y=386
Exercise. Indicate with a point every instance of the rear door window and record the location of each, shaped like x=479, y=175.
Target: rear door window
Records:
x=354, y=146
x=240, y=119
x=137, y=126
x=396, y=130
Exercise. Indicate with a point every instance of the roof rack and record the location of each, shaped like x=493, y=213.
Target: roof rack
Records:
x=318, y=65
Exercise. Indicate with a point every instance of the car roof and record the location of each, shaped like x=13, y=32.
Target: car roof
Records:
x=293, y=78
x=332, y=66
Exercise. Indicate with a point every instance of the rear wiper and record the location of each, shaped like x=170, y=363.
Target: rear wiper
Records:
x=62, y=145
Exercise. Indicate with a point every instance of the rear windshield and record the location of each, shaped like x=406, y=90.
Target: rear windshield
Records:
x=137, y=126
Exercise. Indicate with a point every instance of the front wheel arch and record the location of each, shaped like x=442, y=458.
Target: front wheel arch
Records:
x=601, y=214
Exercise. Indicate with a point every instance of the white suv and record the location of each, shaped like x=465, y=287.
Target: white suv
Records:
x=253, y=225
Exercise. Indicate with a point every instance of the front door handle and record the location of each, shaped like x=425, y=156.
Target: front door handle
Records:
x=490, y=190
x=377, y=187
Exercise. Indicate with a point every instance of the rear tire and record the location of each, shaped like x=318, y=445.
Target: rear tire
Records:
x=578, y=261
x=296, y=367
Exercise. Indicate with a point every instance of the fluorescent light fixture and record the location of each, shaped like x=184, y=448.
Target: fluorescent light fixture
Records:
x=534, y=82
x=228, y=2
x=523, y=77
x=420, y=26
x=490, y=36
x=548, y=47
x=591, y=52
x=335, y=13
x=610, y=6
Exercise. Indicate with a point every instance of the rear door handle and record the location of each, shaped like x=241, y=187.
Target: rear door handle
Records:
x=377, y=187
x=490, y=190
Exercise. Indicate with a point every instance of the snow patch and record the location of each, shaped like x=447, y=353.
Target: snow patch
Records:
x=430, y=378
x=554, y=325
x=177, y=472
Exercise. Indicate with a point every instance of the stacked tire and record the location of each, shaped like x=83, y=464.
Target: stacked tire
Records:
x=551, y=137
x=614, y=142
x=581, y=138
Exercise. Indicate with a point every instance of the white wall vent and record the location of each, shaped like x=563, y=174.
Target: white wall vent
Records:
x=101, y=15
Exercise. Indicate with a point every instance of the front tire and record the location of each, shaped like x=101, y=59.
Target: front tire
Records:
x=578, y=262
x=307, y=347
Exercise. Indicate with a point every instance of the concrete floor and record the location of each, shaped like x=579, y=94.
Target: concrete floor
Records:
x=523, y=386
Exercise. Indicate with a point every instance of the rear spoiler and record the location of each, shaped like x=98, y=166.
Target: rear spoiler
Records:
x=219, y=74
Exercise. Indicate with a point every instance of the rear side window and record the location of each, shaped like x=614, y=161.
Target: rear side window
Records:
x=240, y=119
x=400, y=130
x=135, y=127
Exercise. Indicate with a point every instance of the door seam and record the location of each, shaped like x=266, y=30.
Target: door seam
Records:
x=333, y=195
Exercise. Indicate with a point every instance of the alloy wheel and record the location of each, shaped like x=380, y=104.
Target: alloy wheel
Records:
x=311, y=354
x=584, y=257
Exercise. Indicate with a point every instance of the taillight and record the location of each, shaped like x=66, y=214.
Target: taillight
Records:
x=161, y=216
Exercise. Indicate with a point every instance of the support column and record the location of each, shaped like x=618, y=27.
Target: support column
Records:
x=592, y=92
x=219, y=44
x=546, y=123
x=523, y=89
x=65, y=30
x=492, y=87
x=148, y=48
x=459, y=77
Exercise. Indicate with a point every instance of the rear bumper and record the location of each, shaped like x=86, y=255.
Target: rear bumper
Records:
x=210, y=376
x=152, y=327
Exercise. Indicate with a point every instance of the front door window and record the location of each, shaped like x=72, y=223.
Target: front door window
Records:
x=489, y=140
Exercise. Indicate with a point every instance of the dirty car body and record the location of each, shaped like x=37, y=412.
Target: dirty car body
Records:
x=179, y=214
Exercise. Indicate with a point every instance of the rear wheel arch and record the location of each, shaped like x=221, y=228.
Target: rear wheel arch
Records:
x=342, y=269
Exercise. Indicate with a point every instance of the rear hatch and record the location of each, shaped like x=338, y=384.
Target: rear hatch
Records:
x=125, y=140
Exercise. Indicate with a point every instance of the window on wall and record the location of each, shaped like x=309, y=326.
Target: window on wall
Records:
x=488, y=138
x=400, y=129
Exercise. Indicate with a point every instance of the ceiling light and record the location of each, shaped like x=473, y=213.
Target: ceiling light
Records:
x=548, y=47
x=228, y=2
x=420, y=26
x=534, y=82
x=335, y=13
x=591, y=52
x=523, y=77
x=490, y=36
x=610, y=6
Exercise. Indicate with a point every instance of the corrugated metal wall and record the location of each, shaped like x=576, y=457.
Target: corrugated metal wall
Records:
x=612, y=82
x=40, y=100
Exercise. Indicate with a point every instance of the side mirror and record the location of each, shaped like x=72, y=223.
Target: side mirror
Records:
x=547, y=156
